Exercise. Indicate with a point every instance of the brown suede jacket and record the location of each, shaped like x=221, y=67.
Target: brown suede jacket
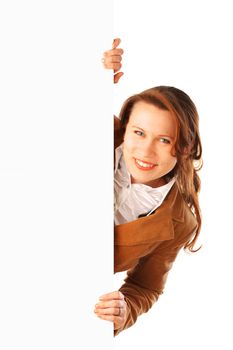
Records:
x=147, y=247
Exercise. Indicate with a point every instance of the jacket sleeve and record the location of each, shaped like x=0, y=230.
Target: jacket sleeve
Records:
x=145, y=282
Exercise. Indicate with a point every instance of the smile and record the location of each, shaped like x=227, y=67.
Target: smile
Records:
x=144, y=165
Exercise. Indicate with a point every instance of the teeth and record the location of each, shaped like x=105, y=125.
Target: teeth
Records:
x=144, y=165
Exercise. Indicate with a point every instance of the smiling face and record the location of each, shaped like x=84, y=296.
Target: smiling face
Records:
x=148, y=141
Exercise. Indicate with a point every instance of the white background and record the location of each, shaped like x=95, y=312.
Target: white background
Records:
x=187, y=44
x=55, y=174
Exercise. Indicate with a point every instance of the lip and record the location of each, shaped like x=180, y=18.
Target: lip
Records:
x=152, y=165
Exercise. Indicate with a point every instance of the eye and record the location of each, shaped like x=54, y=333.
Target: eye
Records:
x=164, y=140
x=139, y=133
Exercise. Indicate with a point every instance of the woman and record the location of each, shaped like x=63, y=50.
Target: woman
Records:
x=156, y=189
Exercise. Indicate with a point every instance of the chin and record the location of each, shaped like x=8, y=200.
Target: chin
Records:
x=142, y=180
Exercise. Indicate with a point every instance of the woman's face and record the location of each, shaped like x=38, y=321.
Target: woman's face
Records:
x=148, y=140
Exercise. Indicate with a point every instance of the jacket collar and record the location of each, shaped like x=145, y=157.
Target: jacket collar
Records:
x=158, y=226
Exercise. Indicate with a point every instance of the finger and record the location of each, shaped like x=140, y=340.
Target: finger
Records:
x=111, y=318
x=117, y=77
x=109, y=311
x=115, y=303
x=114, y=58
x=116, y=66
x=116, y=42
x=112, y=295
x=113, y=52
x=108, y=62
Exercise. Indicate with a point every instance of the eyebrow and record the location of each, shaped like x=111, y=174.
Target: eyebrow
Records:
x=135, y=126
x=164, y=135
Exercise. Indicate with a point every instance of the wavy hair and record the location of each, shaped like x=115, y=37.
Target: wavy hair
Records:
x=187, y=146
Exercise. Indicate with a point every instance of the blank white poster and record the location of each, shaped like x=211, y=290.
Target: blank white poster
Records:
x=56, y=231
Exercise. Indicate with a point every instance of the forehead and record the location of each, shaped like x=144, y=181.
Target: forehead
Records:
x=152, y=118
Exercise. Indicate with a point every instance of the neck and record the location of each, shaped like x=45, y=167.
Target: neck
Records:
x=154, y=183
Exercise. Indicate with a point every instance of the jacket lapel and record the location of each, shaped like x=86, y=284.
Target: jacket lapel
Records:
x=158, y=226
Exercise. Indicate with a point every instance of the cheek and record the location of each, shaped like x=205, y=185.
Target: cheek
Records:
x=173, y=162
x=129, y=143
x=168, y=158
x=171, y=156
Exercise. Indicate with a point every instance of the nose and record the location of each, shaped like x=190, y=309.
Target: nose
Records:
x=147, y=149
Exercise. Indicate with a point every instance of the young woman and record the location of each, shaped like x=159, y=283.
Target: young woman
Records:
x=157, y=156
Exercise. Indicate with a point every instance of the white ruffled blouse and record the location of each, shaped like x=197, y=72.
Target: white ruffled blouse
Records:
x=133, y=200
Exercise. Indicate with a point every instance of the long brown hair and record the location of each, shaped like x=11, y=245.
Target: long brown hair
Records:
x=187, y=147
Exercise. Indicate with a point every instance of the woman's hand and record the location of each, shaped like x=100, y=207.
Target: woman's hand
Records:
x=112, y=59
x=112, y=307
